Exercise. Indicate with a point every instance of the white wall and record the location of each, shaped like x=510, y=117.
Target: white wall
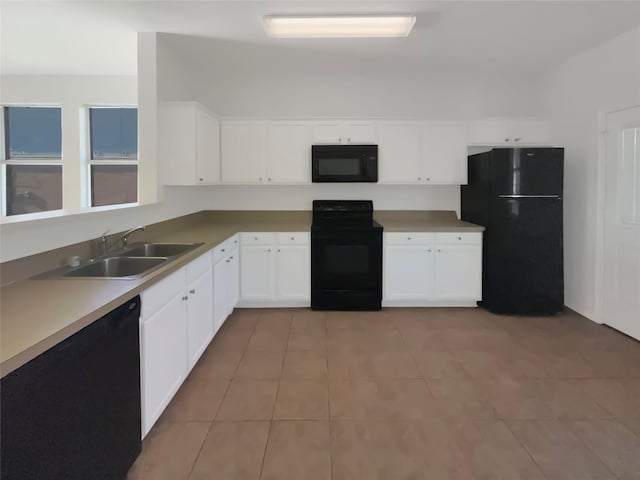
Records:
x=73, y=93
x=240, y=80
x=601, y=79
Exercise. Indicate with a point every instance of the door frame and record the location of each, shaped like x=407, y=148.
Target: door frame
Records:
x=600, y=206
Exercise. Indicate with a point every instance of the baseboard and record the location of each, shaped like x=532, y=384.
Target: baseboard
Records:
x=423, y=303
x=275, y=304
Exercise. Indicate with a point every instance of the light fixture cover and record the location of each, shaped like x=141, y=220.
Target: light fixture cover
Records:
x=339, y=26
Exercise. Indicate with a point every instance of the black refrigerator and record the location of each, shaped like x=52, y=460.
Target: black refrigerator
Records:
x=516, y=194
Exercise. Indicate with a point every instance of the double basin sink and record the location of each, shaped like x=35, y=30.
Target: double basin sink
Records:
x=134, y=261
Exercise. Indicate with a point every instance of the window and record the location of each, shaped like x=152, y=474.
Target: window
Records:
x=32, y=160
x=113, y=163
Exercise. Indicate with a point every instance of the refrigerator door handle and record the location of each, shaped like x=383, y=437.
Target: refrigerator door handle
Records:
x=529, y=196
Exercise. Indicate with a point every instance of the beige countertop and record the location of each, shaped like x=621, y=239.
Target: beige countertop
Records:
x=36, y=314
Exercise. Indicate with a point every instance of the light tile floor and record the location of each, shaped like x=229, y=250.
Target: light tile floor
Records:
x=403, y=394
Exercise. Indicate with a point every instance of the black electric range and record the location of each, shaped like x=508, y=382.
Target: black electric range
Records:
x=346, y=256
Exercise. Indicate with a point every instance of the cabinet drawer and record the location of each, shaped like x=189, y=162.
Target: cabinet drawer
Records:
x=293, y=238
x=220, y=251
x=464, y=238
x=257, y=238
x=409, y=238
x=233, y=242
x=198, y=266
x=158, y=295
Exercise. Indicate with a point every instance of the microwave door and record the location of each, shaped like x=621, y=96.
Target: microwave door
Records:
x=340, y=169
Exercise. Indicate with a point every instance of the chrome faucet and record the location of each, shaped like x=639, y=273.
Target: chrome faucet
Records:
x=124, y=238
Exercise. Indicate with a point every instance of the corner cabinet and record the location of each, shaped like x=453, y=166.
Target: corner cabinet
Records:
x=432, y=269
x=190, y=139
x=275, y=269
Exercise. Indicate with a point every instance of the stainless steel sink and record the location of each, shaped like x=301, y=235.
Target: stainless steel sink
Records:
x=118, y=267
x=159, y=249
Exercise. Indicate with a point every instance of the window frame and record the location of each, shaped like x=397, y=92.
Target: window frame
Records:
x=5, y=161
x=89, y=161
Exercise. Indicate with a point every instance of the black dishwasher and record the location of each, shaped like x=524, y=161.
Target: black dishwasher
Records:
x=74, y=411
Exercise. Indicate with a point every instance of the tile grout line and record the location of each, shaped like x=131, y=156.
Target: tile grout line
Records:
x=195, y=460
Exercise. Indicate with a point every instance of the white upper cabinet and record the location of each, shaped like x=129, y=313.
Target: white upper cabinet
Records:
x=190, y=139
x=244, y=144
x=289, y=152
x=339, y=132
x=509, y=132
x=444, y=153
x=399, y=152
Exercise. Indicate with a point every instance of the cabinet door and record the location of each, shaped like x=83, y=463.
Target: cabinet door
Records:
x=243, y=147
x=232, y=275
x=220, y=309
x=409, y=272
x=328, y=132
x=293, y=275
x=458, y=272
x=360, y=133
x=530, y=132
x=200, y=324
x=207, y=148
x=399, y=152
x=444, y=153
x=177, y=138
x=289, y=154
x=164, y=358
x=488, y=132
x=256, y=273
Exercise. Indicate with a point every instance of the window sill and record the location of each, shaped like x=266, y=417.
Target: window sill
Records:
x=32, y=217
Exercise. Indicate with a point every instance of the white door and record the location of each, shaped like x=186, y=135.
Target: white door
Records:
x=328, y=132
x=232, y=276
x=289, y=154
x=256, y=273
x=444, y=153
x=200, y=323
x=164, y=358
x=220, y=308
x=360, y=133
x=458, y=272
x=207, y=148
x=408, y=272
x=621, y=272
x=293, y=276
x=243, y=147
x=399, y=152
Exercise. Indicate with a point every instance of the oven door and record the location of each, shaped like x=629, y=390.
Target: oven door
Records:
x=346, y=260
x=344, y=163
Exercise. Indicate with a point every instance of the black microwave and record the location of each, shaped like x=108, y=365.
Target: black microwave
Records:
x=344, y=163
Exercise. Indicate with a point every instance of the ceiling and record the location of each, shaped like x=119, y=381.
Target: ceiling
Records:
x=99, y=37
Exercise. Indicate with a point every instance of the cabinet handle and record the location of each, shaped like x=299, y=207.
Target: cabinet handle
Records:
x=517, y=139
x=269, y=179
x=419, y=178
x=278, y=250
x=192, y=291
x=459, y=238
x=428, y=179
x=260, y=178
x=231, y=257
x=235, y=241
x=255, y=238
x=268, y=250
x=439, y=250
x=408, y=238
x=222, y=250
x=184, y=298
x=339, y=140
x=429, y=250
x=228, y=260
x=506, y=139
x=348, y=140
x=292, y=238
x=201, y=179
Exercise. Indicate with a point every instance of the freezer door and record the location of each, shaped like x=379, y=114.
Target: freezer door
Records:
x=526, y=171
x=524, y=256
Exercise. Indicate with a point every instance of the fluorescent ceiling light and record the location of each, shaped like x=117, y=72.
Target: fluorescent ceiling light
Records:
x=339, y=26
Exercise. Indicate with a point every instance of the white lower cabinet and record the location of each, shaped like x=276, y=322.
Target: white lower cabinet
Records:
x=226, y=280
x=275, y=269
x=423, y=269
x=200, y=327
